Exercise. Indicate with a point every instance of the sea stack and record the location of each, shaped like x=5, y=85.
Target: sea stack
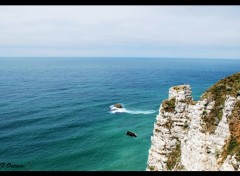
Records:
x=199, y=135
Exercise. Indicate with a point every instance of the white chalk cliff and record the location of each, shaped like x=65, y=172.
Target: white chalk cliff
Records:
x=198, y=135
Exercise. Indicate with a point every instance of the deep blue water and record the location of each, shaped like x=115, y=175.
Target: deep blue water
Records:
x=54, y=112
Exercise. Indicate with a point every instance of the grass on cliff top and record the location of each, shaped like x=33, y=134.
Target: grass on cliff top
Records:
x=227, y=86
x=179, y=88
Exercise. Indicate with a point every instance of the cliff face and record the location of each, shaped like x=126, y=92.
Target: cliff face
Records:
x=199, y=135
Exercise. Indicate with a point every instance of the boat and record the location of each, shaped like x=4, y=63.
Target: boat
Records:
x=129, y=133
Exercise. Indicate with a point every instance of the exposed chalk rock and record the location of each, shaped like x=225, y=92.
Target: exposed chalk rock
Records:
x=180, y=140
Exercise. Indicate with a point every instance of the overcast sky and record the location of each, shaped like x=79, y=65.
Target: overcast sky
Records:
x=135, y=31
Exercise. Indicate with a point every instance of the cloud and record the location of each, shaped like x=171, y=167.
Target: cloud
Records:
x=154, y=31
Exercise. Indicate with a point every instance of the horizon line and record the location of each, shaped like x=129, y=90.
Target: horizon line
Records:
x=118, y=57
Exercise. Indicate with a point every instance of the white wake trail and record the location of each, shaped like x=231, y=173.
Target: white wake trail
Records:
x=140, y=112
x=124, y=110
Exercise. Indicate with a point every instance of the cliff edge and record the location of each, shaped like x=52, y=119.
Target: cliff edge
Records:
x=199, y=135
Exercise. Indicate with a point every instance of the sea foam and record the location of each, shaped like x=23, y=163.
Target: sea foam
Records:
x=124, y=110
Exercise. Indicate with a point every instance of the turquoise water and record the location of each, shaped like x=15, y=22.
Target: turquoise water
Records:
x=55, y=111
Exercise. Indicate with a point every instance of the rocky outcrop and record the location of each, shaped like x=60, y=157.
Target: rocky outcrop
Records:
x=198, y=135
x=118, y=105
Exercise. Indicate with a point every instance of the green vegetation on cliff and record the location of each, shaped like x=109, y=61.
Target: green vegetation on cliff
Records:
x=174, y=156
x=218, y=92
x=169, y=105
x=233, y=146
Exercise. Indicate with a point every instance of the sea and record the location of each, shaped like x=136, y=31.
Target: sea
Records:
x=55, y=111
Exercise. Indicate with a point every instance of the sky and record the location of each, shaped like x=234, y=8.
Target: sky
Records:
x=120, y=31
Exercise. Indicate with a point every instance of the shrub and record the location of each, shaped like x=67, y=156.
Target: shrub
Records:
x=169, y=105
x=151, y=168
x=232, y=145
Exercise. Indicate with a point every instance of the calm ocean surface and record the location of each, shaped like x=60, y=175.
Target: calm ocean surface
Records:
x=54, y=112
